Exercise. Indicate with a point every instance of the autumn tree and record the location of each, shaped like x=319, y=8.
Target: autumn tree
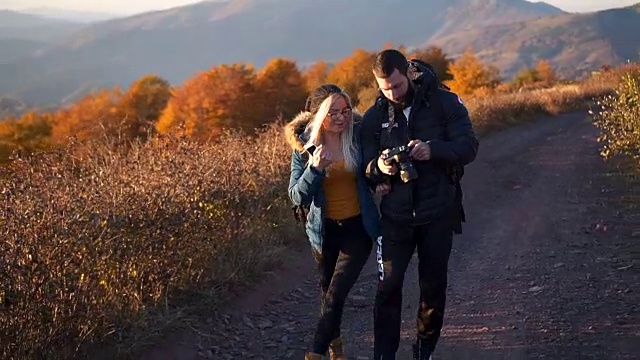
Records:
x=353, y=73
x=526, y=77
x=281, y=90
x=367, y=97
x=470, y=74
x=29, y=133
x=437, y=58
x=316, y=75
x=223, y=97
x=546, y=73
x=541, y=74
x=7, y=146
x=95, y=115
x=141, y=106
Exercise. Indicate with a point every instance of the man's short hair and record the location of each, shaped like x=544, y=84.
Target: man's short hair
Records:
x=387, y=61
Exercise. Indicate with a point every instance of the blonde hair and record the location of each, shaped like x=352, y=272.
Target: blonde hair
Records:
x=348, y=145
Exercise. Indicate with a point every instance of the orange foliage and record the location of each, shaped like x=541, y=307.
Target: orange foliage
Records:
x=470, y=75
x=280, y=90
x=353, y=73
x=316, y=75
x=546, y=72
x=437, y=58
x=232, y=97
x=95, y=115
x=222, y=97
x=29, y=133
x=141, y=106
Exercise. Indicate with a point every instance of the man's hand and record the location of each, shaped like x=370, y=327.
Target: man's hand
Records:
x=321, y=158
x=383, y=189
x=419, y=150
x=384, y=168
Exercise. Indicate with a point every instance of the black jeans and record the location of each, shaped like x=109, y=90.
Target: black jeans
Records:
x=395, y=249
x=345, y=250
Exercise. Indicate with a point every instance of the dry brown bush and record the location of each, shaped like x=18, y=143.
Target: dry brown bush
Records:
x=99, y=244
x=493, y=110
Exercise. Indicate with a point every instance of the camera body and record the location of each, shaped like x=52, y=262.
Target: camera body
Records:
x=400, y=155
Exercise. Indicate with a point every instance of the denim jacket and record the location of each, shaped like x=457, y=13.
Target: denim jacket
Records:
x=305, y=183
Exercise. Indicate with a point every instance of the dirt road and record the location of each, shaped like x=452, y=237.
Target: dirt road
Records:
x=547, y=267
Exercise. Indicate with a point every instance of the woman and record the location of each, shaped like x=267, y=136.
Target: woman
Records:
x=343, y=219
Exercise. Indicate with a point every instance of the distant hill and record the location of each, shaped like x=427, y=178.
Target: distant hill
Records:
x=10, y=18
x=71, y=15
x=475, y=14
x=10, y=107
x=179, y=42
x=13, y=49
x=18, y=25
x=574, y=44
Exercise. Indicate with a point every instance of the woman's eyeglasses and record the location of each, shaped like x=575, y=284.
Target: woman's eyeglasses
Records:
x=334, y=115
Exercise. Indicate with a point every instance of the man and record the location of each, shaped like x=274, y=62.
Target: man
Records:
x=421, y=210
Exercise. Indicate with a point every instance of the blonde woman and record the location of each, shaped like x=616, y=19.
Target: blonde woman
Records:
x=327, y=175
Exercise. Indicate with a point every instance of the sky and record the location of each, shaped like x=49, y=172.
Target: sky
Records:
x=137, y=6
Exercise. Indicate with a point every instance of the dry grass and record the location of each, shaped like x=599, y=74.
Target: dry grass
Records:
x=104, y=245
x=491, y=111
x=110, y=246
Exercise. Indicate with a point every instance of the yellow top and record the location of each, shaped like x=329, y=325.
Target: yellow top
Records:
x=341, y=192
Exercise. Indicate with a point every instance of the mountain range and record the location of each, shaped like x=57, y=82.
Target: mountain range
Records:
x=179, y=42
x=71, y=15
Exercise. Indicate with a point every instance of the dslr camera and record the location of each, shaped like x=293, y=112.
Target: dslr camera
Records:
x=400, y=155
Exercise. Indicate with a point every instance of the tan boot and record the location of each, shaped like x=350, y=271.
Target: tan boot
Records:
x=312, y=356
x=336, y=350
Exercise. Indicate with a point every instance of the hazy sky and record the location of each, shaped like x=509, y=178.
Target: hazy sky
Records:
x=135, y=6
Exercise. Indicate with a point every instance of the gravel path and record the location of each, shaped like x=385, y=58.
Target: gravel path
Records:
x=547, y=267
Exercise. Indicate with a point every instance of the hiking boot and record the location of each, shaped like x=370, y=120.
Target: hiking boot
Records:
x=312, y=356
x=336, y=350
x=421, y=351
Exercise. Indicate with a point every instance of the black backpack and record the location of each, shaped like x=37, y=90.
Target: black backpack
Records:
x=455, y=172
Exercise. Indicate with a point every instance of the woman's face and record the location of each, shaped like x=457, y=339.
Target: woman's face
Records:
x=338, y=117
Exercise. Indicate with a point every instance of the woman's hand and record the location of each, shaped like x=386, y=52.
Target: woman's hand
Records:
x=321, y=158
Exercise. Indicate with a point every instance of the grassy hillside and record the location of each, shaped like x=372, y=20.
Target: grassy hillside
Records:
x=13, y=49
x=17, y=25
x=179, y=42
x=575, y=44
x=15, y=19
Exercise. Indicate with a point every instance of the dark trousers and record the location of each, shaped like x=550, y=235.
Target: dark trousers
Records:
x=395, y=249
x=345, y=250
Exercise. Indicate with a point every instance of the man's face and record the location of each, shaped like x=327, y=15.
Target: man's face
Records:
x=394, y=87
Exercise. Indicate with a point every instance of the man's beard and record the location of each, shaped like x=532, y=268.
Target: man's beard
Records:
x=406, y=100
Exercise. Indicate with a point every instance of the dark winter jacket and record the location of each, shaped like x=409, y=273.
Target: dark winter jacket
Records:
x=305, y=183
x=438, y=117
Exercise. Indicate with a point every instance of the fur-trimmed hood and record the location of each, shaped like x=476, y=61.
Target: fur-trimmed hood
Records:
x=294, y=131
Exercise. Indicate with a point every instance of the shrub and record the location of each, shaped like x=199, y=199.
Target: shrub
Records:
x=100, y=242
x=495, y=110
x=618, y=118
